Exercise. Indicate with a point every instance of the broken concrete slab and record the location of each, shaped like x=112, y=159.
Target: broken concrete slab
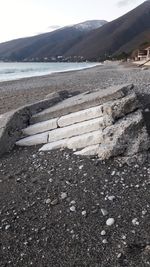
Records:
x=119, y=108
x=126, y=137
x=79, y=128
x=88, y=151
x=41, y=127
x=83, y=101
x=33, y=140
x=84, y=140
x=80, y=116
x=54, y=145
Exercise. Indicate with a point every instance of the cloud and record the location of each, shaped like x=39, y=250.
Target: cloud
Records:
x=126, y=2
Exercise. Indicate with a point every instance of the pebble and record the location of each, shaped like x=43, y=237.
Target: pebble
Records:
x=103, y=232
x=47, y=201
x=104, y=212
x=113, y=173
x=7, y=227
x=135, y=222
x=104, y=241
x=72, y=208
x=63, y=195
x=54, y=202
x=111, y=198
x=84, y=212
x=110, y=222
x=81, y=167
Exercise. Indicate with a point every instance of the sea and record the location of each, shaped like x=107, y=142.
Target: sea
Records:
x=17, y=70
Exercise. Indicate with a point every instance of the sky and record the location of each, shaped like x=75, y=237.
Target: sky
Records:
x=21, y=18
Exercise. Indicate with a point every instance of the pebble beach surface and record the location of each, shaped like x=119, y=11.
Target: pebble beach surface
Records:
x=58, y=209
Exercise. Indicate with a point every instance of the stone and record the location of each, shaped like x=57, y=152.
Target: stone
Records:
x=110, y=222
x=63, y=195
x=41, y=127
x=79, y=129
x=80, y=116
x=104, y=212
x=72, y=208
x=103, y=232
x=33, y=140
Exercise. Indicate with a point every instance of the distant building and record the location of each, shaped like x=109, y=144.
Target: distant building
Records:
x=143, y=54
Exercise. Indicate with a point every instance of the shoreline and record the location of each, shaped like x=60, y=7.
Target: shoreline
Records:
x=51, y=73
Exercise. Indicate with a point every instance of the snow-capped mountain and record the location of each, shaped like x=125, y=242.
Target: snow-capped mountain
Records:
x=90, y=25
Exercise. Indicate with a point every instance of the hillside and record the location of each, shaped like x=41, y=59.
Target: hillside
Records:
x=48, y=45
x=121, y=35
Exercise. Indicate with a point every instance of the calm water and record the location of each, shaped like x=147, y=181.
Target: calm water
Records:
x=14, y=71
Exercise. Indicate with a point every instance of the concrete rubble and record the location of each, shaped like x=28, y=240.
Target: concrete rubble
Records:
x=106, y=123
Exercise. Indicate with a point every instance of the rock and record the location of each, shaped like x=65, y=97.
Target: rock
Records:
x=103, y=232
x=72, y=208
x=84, y=213
x=135, y=222
x=111, y=198
x=7, y=227
x=104, y=241
x=48, y=200
x=104, y=212
x=110, y=222
x=54, y=202
x=63, y=195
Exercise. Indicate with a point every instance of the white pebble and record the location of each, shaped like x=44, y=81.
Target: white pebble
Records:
x=84, y=212
x=48, y=201
x=81, y=167
x=105, y=241
x=72, y=208
x=135, y=222
x=113, y=173
x=104, y=212
x=103, y=232
x=63, y=195
x=111, y=198
x=110, y=222
x=7, y=227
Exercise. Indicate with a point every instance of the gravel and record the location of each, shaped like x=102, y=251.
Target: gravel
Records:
x=54, y=205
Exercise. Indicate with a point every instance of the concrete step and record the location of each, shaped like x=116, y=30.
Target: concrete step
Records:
x=79, y=128
x=33, y=140
x=66, y=132
x=77, y=142
x=81, y=102
x=41, y=127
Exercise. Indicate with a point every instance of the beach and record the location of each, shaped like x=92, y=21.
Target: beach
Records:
x=55, y=206
x=14, y=94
